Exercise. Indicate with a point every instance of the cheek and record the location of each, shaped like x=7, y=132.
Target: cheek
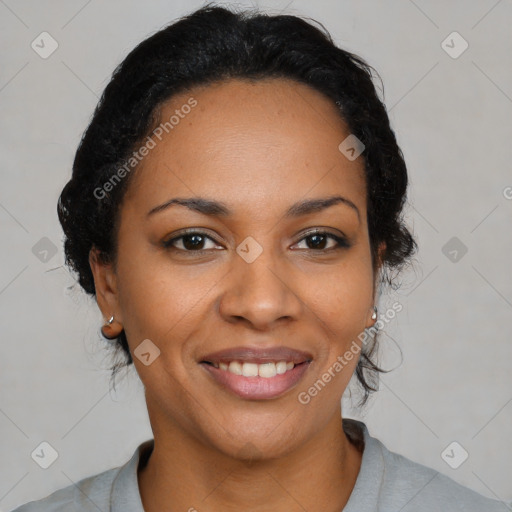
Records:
x=341, y=305
x=159, y=301
x=343, y=298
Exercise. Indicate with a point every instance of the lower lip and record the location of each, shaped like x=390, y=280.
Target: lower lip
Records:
x=257, y=388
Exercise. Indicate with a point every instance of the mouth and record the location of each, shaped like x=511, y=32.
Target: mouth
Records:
x=257, y=374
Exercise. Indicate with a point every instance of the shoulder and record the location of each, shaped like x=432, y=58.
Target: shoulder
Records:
x=389, y=481
x=420, y=488
x=115, y=489
x=90, y=494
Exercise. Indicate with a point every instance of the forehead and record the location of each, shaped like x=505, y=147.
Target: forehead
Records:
x=241, y=140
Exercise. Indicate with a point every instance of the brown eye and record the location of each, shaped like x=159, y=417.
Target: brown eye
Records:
x=318, y=241
x=190, y=242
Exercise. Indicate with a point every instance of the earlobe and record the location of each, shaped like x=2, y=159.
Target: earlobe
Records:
x=372, y=317
x=373, y=313
x=105, y=283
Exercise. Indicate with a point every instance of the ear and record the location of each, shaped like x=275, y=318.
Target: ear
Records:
x=105, y=283
x=378, y=266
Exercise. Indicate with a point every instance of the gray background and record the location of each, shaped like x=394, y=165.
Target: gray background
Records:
x=452, y=117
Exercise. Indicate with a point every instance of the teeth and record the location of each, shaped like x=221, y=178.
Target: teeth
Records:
x=250, y=370
x=265, y=370
x=235, y=367
x=281, y=367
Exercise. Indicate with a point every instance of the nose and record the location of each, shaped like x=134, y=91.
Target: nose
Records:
x=260, y=293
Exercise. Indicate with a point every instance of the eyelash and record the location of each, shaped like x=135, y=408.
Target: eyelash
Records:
x=341, y=242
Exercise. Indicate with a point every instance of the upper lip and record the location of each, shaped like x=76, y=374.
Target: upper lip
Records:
x=258, y=355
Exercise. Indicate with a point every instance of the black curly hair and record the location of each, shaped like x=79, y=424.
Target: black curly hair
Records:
x=210, y=45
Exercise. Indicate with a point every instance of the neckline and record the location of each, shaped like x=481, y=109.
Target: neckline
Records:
x=366, y=490
x=126, y=497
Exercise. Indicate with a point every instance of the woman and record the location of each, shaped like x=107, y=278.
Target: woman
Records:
x=235, y=204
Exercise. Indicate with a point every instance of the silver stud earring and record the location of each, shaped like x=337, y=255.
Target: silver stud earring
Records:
x=107, y=324
x=374, y=314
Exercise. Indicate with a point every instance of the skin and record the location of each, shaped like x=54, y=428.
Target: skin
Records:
x=258, y=147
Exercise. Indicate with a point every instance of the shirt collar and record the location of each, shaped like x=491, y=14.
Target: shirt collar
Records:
x=368, y=484
x=125, y=495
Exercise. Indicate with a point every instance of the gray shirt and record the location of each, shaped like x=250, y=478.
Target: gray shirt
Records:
x=387, y=482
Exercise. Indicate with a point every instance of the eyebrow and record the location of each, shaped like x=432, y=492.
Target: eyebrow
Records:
x=216, y=208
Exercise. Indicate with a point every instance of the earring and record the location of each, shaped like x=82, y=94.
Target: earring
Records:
x=374, y=314
x=107, y=324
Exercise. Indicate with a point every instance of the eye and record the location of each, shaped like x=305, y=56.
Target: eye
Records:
x=190, y=241
x=319, y=239
x=194, y=241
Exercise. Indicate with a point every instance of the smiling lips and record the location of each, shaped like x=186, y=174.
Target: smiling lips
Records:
x=255, y=373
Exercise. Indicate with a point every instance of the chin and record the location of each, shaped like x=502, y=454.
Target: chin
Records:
x=256, y=445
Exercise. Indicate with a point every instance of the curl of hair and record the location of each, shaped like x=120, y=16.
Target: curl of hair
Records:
x=207, y=46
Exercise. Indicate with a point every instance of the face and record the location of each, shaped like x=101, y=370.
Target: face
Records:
x=256, y=265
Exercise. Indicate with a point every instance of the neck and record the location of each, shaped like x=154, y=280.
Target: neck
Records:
x=183, y=474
